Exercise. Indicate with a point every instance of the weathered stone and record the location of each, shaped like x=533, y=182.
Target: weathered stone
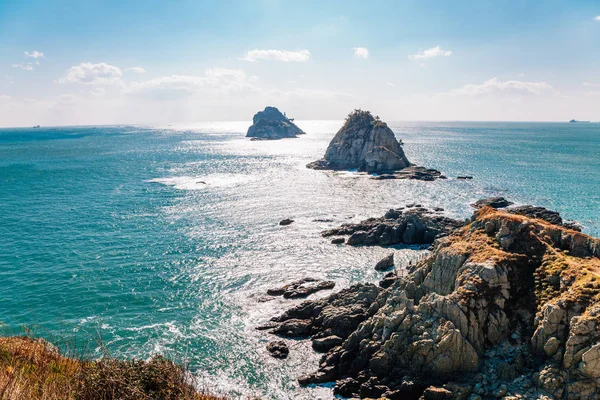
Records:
x=272, y=124
x=365, y=143
x=415, y=226
x=385, y=263
x=494, y=202
x=301, y=288
x=286, y=221
x=326, y=343
x=278, y=349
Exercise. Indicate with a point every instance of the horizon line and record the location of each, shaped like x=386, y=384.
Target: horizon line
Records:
x=300, y=120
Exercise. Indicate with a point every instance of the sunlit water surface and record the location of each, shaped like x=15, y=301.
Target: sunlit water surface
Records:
x=165, y=239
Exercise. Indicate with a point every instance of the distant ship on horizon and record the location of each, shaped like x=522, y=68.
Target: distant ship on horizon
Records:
x=573, y=121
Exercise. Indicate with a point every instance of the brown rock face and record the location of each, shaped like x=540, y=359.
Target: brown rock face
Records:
x=507, y=305
x=365, y=143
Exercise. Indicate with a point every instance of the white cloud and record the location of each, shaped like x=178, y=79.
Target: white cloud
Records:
x=4, y=97
x=93, y=74
x=597, y=18
x=436, y=51
x=361, y=52
x=277, y=55
x=23, y=66
x=34, y=54
x=589, y=84
x=66, y=100
x=98, y=91
x=492, y=86
x=137, y=70
x=390, y=84
x=218, y=80
x=521, y=74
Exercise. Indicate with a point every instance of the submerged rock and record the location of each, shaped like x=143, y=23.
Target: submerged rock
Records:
x=272, y=124
x=507, y=306
x=416, y=225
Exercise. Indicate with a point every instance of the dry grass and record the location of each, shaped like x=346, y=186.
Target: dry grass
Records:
x=33, y=369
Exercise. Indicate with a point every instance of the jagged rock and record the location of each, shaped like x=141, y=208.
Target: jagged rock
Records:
x=414, y=226
x=338, y=241
x=412, y=172
x=388, y=280
x=301, y=288
x=286, y=221
x=550, y=216
x=519, y=319
x=385, y=263
x=494, y=202
x=437, y=393
x=278, y=349
x=326, y=343
x=272, y=124
x=293, y=328
x=365, y=143
x=338, y=314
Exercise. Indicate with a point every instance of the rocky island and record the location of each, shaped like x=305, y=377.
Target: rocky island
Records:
x=367, y=144
x=506, y=306
x=271, y=124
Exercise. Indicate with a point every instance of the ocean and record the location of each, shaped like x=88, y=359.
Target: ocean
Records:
x=165, y=239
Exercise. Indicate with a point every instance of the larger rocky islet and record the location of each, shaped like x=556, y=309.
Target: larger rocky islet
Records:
x=367, y=144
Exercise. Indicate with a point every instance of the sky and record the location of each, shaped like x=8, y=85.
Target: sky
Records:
x=155, y=62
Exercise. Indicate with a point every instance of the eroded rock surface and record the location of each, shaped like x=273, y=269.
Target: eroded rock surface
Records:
x=408, y=226
x=301, y=288
x=367, y=144
x=507, y=306
x=271, y=124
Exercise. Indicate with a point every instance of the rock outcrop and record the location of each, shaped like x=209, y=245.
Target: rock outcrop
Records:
x=364, y=143
x=506, y=306
x=301, y=288
x=398, y=226
x=494, y=202
x=271, y=124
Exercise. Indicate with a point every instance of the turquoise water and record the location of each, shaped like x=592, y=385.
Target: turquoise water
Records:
x=164, y=239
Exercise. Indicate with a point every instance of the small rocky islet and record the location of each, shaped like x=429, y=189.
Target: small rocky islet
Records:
x=506, y=305
x=367, y=144
x=271, y=124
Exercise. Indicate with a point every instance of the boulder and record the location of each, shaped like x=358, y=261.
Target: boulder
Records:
x=385, y=263
x=271, y=124
x=286, y=221
x=278, y=349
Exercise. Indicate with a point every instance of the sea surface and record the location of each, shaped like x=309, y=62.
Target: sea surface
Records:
x=165, y=239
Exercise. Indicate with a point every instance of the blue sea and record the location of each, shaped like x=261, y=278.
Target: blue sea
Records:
x=164, y=239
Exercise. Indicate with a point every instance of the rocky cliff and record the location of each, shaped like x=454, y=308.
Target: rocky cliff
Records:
x=507, y=306
x=365, y=143
x=272, y=124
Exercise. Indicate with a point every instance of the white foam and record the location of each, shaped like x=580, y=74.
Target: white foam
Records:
x=203, y=182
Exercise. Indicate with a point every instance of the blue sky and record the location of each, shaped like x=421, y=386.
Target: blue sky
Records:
x=106, y=62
